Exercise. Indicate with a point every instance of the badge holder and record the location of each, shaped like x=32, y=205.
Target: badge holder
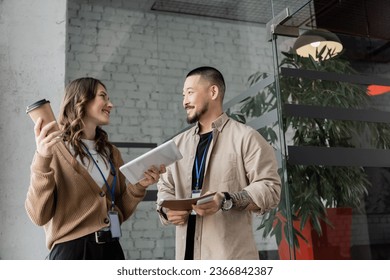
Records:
x=195, y=194
x=115, y=226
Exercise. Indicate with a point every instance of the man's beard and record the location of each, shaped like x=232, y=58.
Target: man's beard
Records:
x=196, y=117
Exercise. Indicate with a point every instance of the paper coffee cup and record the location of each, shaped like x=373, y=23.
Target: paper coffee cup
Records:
x=42, y=109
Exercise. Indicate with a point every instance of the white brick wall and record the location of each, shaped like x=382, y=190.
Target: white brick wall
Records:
x=143, y=57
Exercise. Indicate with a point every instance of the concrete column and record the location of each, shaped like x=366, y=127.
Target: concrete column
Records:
x=32, y=67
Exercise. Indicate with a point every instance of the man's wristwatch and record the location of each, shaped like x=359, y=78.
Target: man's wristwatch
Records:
x=227, y=202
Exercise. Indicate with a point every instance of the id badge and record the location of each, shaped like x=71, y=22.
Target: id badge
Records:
x=115, y=226
x=195, y=194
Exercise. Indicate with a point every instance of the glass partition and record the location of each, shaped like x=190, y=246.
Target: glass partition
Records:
x=336, y=122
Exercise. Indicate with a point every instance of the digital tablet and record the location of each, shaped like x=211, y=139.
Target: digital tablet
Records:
x=167, y=153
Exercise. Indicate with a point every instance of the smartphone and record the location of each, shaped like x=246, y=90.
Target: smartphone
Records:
x=205, y=200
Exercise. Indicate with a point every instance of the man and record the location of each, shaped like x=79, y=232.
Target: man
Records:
x=223, y=156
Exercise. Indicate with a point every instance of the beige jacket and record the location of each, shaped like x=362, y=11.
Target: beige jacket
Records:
x=67, y=202
x=238, y=159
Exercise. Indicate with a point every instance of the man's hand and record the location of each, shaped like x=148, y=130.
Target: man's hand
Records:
x=177, y=217
x=209, y=208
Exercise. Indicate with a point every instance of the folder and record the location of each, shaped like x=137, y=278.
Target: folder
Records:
x=182, y=204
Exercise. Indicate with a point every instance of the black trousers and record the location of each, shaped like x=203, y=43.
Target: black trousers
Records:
x=86, y=248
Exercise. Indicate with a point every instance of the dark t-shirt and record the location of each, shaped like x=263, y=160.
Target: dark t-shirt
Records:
x=201, y=150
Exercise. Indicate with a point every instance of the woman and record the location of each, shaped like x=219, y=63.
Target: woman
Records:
x=76, y=191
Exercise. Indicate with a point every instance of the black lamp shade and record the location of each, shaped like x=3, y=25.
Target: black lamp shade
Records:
x=311, y=42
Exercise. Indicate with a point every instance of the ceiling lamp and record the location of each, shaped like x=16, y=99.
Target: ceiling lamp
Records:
x=313, y=42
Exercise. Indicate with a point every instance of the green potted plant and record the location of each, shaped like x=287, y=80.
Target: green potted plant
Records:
x=315, y=189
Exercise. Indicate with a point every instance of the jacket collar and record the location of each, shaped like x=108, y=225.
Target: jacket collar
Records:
x=217, y=124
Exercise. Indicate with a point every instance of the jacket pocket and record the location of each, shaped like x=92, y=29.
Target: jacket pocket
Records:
x=224, y=168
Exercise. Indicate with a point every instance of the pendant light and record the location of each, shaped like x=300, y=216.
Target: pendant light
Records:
x=318, y=43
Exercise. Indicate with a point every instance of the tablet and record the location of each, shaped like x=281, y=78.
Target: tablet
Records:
x=167, y=153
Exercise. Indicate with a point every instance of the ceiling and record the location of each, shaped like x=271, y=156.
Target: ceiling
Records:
x=362, y=25
x=258, y=11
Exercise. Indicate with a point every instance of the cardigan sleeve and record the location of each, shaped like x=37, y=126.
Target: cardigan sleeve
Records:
x=129, y=195
x=40, y=200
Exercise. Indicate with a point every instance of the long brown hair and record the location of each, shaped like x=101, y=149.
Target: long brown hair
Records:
x=78, y=94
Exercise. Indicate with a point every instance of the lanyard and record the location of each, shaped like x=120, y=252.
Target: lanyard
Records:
x=198, y=169
x=112, y=189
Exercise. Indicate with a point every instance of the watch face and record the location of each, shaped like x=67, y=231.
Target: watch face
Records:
x=227, y=205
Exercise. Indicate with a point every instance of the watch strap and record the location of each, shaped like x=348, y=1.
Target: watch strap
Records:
x=227, y=195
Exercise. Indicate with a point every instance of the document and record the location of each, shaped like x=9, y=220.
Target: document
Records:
x=166, y=154
x=182, y=204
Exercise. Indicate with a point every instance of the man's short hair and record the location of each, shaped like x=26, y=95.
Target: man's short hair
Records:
x=212, y=75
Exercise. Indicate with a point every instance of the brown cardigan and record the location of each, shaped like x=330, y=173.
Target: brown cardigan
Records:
x=67, y=202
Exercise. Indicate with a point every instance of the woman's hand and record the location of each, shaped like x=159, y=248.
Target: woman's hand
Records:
x=152, y=175
x=43, y=140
